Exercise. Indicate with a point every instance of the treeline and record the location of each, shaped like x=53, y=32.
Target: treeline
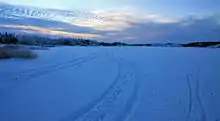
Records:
x=201, y=44
x=8, y=38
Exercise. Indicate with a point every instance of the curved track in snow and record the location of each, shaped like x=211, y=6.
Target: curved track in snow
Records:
x=112, y=84
x=99, y=109
x=27, y=75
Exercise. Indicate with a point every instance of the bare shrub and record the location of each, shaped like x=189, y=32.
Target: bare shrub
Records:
x=16, y=52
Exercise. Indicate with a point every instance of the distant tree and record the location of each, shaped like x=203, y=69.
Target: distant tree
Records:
x=0, y=38
x=8, y=38
x=200, y=44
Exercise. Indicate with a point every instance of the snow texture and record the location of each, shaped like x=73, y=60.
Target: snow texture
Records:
x=112, y=84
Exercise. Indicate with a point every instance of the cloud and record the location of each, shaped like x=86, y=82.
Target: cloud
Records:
x=130, y=28
x=118, y=20
x=35, y=29
x=133, y=27
x=185, y=30
x=124, y=25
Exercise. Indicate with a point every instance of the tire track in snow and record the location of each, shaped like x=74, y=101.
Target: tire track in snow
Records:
x=98, y=109
x=106, y=111
x=52, y=66
x=130, y=103
x=48, y=66
x=190, y=98
x=76, y=62
x=23, y=78
x=199, y=99
x=85, y=109
x=124, y=113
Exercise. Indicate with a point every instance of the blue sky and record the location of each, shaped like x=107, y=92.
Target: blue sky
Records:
x=134, y=21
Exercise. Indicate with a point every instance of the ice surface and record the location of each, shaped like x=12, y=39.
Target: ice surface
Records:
x=112, y=84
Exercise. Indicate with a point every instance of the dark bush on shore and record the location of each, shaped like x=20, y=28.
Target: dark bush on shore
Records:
x=16, y=52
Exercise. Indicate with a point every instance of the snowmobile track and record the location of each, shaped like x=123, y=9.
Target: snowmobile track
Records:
x=98, y=109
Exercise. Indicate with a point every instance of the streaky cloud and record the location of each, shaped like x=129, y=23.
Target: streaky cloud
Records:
x=121, y=25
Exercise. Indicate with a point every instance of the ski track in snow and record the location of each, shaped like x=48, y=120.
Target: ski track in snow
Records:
x=98, y=109
x=203, y=114
x=190, y=98
x=50, y=66
x=126, y=85
x=30, y=74
x=191, y=102
x=130, y=103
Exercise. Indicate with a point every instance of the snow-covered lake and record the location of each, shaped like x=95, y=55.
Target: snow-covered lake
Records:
x=112, y=84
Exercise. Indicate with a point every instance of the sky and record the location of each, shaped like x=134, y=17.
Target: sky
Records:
x=164, y=7
x=140, y=21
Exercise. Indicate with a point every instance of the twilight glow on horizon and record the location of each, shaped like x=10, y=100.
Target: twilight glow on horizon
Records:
x=138, y=21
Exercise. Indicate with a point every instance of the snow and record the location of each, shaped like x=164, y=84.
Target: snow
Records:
x=112, y=84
